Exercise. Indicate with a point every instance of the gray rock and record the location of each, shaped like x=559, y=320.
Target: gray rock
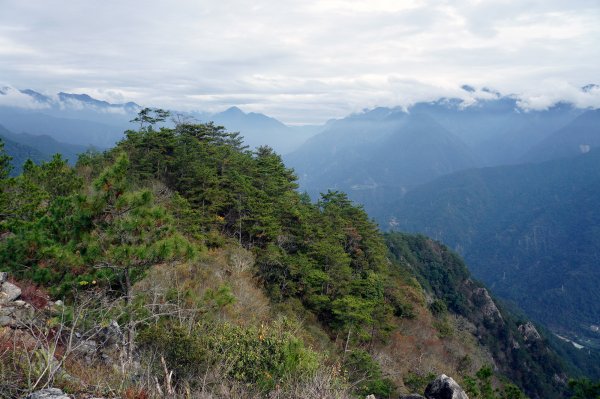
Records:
x=444, y=387
x=529, y=332
x=9, y=292
x=7, y=321
x=49, y=393
x=7, y=310
x=24, y=314
x=487, y=305
x=111, y=335
x=3, y=277
x=87, y=350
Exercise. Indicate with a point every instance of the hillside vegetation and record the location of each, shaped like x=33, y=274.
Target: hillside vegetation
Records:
x=191, y=266
x=529, y=231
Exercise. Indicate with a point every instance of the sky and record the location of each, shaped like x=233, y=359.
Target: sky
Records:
x=301, y=61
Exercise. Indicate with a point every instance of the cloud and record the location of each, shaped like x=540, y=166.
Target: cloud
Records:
x=11, y=97
x=556, y=92
x=300, y=60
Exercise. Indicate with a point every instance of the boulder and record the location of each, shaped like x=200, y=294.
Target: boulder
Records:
x=15, y=313
x=7, y=310
x=8, y=293
x=49, y=393
x=3, y=277
x=86, y=349
x=7, y=321
x=444, y=387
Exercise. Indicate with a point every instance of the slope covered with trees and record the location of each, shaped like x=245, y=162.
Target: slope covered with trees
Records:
x=196, y=267
x=379, y=154
x=528, y=231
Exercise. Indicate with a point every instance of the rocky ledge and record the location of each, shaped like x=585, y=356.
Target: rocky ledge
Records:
x=12, y=310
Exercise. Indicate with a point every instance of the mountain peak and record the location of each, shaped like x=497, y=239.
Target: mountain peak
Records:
x=87, y=99
x=590, y=87
x=233, y=111
x=39, y=97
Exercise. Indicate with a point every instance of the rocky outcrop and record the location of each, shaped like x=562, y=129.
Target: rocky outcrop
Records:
x=487, y=305
x=49, y=393
x=8, y=291
x=444, y=387
x=12, y=311
x=15, y=314
x=529, y=332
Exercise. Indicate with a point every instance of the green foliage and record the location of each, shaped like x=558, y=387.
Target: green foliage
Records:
x=182, y=350
x=55, y=177
x=438, y=307
x=484, y=379
x=437, y=269
x=5, y=166
x=418, y=382
x=5, y=169
x=60, y=235
x=261, y=356
x=367, y=375
x=584, y=389
x=480, y=387
x=148, y=117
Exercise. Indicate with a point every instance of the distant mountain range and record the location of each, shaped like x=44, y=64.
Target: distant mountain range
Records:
x=374, y=156
x=380, y=154
x=37, y=148
x=579, y=136
x=259, y=129
x=85, y=121
x=19, y=152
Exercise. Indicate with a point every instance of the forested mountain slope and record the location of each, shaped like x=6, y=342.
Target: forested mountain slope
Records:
x=377, y=155
x=529, y=231
x=579, y=136
x=195, y=267
x=19, y=152
x=44, y=146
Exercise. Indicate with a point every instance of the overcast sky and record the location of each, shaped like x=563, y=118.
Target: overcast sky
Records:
x=300, y=60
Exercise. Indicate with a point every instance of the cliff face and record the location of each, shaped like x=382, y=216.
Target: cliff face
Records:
x=514, y=345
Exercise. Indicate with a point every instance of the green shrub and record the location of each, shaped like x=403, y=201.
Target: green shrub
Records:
x=183, y=351
x=361, y=368
x=263, y=356
x=418, y=382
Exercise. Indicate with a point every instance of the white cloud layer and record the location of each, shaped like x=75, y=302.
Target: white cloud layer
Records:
x=9, y=96
x=302, y=60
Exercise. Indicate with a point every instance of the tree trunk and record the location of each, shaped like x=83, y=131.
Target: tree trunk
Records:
x=347, y=341
x=130, y=323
